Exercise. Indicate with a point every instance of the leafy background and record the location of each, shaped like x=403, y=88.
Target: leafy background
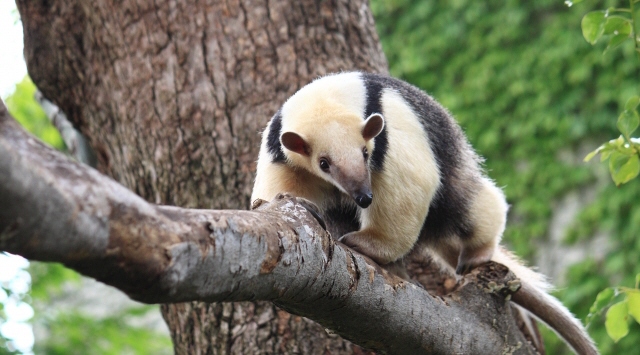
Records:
x=534, y=98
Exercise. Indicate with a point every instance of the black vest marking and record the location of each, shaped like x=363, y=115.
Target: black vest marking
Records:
x=341, y=219
x=459, y=172
x=374, y=95
x=273, y=139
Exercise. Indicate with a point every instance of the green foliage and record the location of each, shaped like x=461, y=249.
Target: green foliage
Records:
x=617, y=28
x=633, y=297
x=623, y=153
x=628, y=120
x=616, y=323
x=26, y=110
x=593, y=26
x=603, y=299
x=532, y=96
x=47, y=280
x=618, y=314
x=618, y=25
x=74, y=332
x=13, y=288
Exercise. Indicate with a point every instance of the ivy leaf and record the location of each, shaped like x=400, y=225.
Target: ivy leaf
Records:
x=628, y=122
x=623, y=167
x=633, y=297
x=616, y=322
x=593, y=26
x=602, y=300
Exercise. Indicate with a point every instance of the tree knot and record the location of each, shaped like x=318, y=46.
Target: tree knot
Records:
x=495, y=278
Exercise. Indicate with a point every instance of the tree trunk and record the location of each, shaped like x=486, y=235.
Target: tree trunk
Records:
x=172, y=95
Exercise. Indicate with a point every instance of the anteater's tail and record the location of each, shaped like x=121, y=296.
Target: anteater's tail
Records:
x=533, y=297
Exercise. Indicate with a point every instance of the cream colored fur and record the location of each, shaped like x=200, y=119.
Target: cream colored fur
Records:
x=404, y=190
x=488, y=214
x=306, y=113
x=328, y=115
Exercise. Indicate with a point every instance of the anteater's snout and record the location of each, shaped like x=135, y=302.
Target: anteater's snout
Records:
x=364, y=199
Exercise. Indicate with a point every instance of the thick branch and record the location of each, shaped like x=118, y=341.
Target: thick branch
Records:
x=58, y=210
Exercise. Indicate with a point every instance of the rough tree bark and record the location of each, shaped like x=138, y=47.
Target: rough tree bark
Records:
x=172, y=95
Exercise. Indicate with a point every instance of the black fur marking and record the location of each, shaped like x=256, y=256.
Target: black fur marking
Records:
x=273, y=139
x=341, y=219
x=374, y=94
x=459, y=165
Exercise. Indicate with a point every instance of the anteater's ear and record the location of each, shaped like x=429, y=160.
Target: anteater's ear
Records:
x=372, y=126
x=295, y=143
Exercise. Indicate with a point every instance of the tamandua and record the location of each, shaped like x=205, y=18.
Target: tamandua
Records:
x=385, y=154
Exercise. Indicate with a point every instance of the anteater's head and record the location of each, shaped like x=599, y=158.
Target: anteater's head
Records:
x=336, y=147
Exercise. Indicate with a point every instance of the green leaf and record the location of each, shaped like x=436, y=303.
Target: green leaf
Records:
x=615, y=41
x=590, y=155
x=630, y=170
x=632, y=103
x=633, y=297
x=607, y=148
x=637, y=280
x=616, y=322
x=618, y=142
x=602, y=300
x=628, y=122
x=601, y=149
x=606, y=154
x=623, y=167
x=593, y=26
x=617, y=25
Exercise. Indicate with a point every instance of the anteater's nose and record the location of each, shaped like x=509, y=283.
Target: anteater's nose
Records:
x=364, y=200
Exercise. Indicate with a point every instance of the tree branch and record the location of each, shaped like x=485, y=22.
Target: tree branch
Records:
x=59, y=210
x=76, y=143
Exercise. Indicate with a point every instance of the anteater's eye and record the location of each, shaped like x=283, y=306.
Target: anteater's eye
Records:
x=324, y=165
x=365, y=153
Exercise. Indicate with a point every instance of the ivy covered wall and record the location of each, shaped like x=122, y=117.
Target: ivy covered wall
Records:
x=534, y=97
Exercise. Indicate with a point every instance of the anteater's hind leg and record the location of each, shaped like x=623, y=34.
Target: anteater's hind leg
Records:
x=488, y=216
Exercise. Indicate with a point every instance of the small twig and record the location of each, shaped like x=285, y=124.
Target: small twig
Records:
x=77, y=145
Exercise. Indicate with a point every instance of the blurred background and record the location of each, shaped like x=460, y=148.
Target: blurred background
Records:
x=531, y=94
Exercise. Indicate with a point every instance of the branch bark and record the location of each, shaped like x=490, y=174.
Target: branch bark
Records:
x=59, y=210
